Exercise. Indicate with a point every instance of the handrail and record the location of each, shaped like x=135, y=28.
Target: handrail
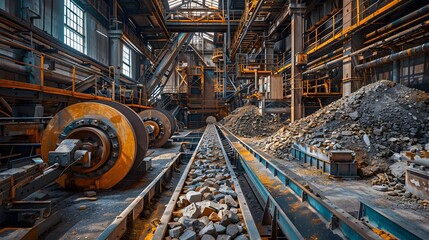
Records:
x=246, y=21
x=335, y=32
x=201, y=15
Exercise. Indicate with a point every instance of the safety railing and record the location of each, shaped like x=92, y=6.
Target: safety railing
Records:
x=326, y=29
x=201, y=15
x=321, y=87
x=330, y=28
x=282, y=60
x=363, y=13
x=287, y=89
x=217, y=54
x=175, y=89
x=81, y=82
x=198, y=103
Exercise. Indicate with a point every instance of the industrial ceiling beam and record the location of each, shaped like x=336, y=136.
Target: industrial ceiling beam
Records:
x=281, y=18
x=198, y=55
x=136, y=12
x=148, y=29
x=159, y=15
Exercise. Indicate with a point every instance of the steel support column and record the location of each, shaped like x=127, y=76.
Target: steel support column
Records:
x=297, y=21
x=269, y=55
x=351, y=81
x=115, y=54
x=225, y=73
x=228, y=6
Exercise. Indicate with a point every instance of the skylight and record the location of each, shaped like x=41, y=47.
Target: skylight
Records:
x=175, y=4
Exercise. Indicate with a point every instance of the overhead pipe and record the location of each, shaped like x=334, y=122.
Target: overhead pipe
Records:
x=326, y=56
x=22, y=70
x=396, y=56
x=381, y=42
x=399, y=21
x=12, y=67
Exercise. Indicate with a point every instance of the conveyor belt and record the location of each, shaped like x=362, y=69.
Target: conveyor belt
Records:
x=302, y=214
x=209, y=158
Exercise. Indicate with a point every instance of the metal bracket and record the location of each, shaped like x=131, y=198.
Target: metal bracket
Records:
x=334, y=223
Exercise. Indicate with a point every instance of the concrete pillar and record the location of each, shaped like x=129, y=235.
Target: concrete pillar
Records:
x=351, y=80
x=297, y=21
x=115, y=53
x=269, y=55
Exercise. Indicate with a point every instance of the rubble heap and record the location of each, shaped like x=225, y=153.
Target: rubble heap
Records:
x=208, y=207
x=376, y=121
x=248, y=122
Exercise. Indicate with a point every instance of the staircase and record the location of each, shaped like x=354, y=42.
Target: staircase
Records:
x=157, y=75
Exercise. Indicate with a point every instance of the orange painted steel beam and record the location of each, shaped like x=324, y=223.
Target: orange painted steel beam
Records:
x=348, y=30
x=56, y=91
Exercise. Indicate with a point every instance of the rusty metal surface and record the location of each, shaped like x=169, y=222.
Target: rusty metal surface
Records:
x=139, y=130
x=100, y=213
x=298, y=213
x=162, y=125
x=126, y=141
x=338, y=163
x=292, y=194
x=173, y=120
x=417, y=182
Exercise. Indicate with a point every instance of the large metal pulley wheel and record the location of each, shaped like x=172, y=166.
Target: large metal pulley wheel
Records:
x=159, y=126
x=173, y=120
x=112, y=133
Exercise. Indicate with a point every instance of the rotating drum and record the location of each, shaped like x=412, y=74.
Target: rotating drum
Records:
x=174, y=127
x=106, y=133
x=139, y=129
x=159, y=126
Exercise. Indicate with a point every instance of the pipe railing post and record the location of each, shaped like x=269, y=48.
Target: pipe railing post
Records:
x=95, y=87
x=357, y=12
x=73, y=79
x=42, y=71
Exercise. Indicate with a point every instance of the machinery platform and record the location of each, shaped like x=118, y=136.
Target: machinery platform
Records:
x=82, y=218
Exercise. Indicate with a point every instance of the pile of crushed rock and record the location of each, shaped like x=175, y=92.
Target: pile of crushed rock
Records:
x=376, y=122
x=248, y=122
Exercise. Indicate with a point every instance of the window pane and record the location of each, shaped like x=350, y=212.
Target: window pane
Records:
x=126, y=61
x=73, y=26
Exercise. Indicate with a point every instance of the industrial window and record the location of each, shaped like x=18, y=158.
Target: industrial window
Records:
x=73, y=26
x=174, y=4
x=126, y=61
